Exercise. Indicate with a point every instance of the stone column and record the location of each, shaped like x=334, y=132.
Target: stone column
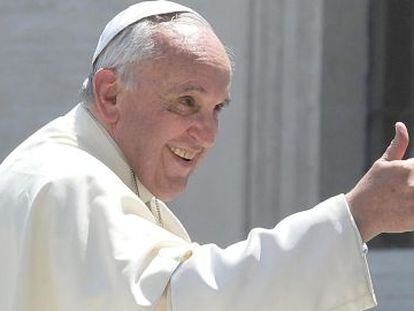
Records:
x=284, y=109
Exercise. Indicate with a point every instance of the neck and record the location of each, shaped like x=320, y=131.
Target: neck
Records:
x=97, y=114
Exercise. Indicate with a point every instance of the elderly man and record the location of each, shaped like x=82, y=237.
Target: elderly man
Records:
x=83, y=226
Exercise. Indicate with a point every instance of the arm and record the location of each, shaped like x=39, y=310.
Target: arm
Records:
x=312, y=260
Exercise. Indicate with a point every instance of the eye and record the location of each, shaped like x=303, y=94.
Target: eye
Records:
x=187, y=101
x=219, y=107
x=185, y=105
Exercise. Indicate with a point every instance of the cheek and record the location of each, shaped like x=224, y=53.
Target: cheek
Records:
x=171, y=126
x=147, y=134
x=138, y=120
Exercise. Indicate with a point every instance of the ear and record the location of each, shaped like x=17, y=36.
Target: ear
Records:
x=105, y=90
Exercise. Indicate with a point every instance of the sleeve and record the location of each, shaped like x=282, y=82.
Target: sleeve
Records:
x=313, y=260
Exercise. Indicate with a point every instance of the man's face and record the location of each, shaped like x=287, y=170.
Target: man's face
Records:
x=169, y=119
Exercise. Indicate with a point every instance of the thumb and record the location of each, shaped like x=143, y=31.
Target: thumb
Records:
x=398, y=145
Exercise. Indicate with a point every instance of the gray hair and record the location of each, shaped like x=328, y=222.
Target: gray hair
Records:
x=134, y=44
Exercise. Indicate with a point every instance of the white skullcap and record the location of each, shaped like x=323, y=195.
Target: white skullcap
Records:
x=134, y=14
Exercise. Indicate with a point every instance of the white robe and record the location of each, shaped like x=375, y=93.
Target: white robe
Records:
x=74, y=235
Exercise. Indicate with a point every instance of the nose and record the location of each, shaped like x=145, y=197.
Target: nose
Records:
x=204, y=130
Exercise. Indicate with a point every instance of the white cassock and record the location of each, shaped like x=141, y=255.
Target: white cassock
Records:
x=74, y=235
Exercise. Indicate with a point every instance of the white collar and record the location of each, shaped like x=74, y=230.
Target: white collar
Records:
x=144, y=193
x=131, y=181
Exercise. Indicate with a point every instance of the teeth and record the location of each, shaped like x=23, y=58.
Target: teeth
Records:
x=185, y=154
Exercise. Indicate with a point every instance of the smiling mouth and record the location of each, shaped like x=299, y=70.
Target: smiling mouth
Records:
x=184, y=154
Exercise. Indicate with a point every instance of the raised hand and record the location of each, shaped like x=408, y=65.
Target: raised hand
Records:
x=383, y=200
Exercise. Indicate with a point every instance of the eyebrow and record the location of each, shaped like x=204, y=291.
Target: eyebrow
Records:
x=192, y=88
x=200, y=89
x=188, y=88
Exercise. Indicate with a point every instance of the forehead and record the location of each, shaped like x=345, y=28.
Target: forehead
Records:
x=176, y=75
x=187, y=60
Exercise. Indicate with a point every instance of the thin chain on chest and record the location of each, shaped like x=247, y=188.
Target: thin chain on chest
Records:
x=157, y=212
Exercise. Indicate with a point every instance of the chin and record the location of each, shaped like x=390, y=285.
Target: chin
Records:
x=172, y=192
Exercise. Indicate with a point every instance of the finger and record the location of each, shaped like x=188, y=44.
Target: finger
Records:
x=398, y=145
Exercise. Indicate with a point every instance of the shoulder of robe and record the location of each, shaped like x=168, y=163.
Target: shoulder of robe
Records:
x=61, y=171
